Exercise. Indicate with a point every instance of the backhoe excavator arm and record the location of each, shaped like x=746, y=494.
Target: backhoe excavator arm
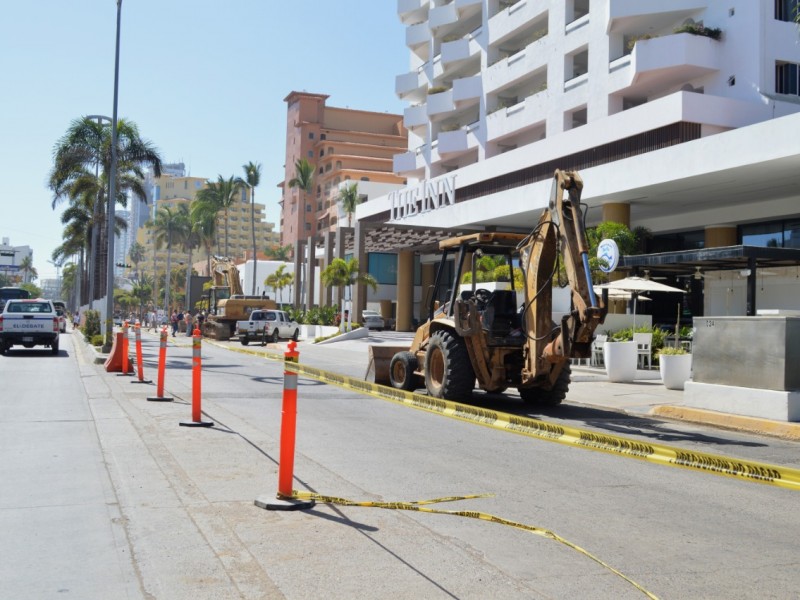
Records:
x=560, y=232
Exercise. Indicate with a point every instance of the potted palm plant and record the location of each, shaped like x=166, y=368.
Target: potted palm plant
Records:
x=675, y=363
x=619, y=357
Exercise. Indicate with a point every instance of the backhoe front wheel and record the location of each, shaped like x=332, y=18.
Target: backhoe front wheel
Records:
x=448, y=370
x=401, y=371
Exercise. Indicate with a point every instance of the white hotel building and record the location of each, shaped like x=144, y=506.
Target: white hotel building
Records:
x=692, y=135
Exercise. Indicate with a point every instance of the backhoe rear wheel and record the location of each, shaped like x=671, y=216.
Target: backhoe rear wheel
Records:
x=551, y=397
x=448, y=370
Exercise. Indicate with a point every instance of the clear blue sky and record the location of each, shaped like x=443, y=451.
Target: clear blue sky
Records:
x=203, y=79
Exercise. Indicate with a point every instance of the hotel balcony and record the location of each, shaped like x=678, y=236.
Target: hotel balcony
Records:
x=665, y=62
x=409, y=9
x=411, y=86
x=460, y=50
x=440, y=104
x=510, y=20
x=410, y=161
x=524, y=115
x=467, y=91
x=453, y=143
x=415, y=116
x=442, y=15
x=462, y=5
x=417, y=35
x=622, y=13
x=515, y=68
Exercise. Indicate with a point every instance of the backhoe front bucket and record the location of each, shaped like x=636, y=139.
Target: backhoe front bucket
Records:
x=380, y=357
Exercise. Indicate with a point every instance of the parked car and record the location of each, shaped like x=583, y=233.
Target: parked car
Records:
x=29, y=323
x=372, y=320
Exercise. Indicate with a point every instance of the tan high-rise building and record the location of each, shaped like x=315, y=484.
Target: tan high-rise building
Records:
x=342, y=144
x=172, y=191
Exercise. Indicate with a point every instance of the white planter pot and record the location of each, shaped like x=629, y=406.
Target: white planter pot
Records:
x=675, y=369
x=620, y=361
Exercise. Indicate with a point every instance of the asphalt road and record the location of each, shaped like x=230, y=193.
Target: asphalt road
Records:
x=105, y=495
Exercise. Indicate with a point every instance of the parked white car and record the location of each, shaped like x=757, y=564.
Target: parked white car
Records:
x=372, y=320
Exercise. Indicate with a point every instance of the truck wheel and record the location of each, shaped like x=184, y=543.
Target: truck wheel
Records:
x=448, y=369
x=244, y=340
x=296, y=335
x=401, y=371
x=275, y=336
x=54, y=347
x=553, y=396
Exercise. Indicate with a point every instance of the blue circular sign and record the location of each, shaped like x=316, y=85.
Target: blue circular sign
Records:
x=608, y=251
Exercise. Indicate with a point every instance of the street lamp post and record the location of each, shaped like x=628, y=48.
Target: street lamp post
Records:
x=112, y=196
x=252, y=229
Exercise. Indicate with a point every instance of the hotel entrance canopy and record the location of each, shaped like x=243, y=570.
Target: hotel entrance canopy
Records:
x=726, y=258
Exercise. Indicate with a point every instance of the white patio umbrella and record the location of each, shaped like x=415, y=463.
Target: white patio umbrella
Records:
x=637, y=285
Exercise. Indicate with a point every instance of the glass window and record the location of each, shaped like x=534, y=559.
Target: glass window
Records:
x=786, y=10
x=383, y=267
x=311, y=135
x=310, y=154
x=787, y=78
x=766, y=235
x=791, y=234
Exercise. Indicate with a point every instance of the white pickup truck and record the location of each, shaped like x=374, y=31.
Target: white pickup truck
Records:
x=267, y=326
x=29, y=323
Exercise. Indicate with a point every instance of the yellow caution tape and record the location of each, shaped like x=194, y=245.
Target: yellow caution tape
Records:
x=656, y=453
x=418, y=507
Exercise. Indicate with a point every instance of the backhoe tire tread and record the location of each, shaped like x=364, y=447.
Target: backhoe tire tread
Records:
x=448, y=369
x=553, y=396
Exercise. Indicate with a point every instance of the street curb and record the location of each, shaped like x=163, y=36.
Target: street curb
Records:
x=789, y=431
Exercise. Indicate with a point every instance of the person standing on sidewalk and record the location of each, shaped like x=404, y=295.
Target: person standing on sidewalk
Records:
x=189, y=330
x=174, y=322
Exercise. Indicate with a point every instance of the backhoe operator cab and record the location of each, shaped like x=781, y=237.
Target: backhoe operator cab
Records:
x=506, y=337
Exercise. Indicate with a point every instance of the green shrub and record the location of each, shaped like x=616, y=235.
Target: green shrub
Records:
x=97, y=340
x=91, y=326
x=672, y=351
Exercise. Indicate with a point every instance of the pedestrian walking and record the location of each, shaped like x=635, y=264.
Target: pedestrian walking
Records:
x=174, y=322
x=189, y=324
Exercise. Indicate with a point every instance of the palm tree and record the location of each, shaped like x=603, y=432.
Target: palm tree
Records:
x=167, y=228
x=252, y=178
x=349, y=198
x=203, y=217
x=341, y=273
x=29, y=272
x=279, y=280
x=304, y=180
x=82, y=165
x=136, y=254
x=141, y=291
x=221, y=194
x=278, y=252
x=69, y=283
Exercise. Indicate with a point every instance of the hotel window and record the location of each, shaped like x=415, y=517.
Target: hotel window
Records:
x=323, y=136
x=383, y=267
x=310, y=154
x=311, y=135
x=786, y=10
x=787, y=78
